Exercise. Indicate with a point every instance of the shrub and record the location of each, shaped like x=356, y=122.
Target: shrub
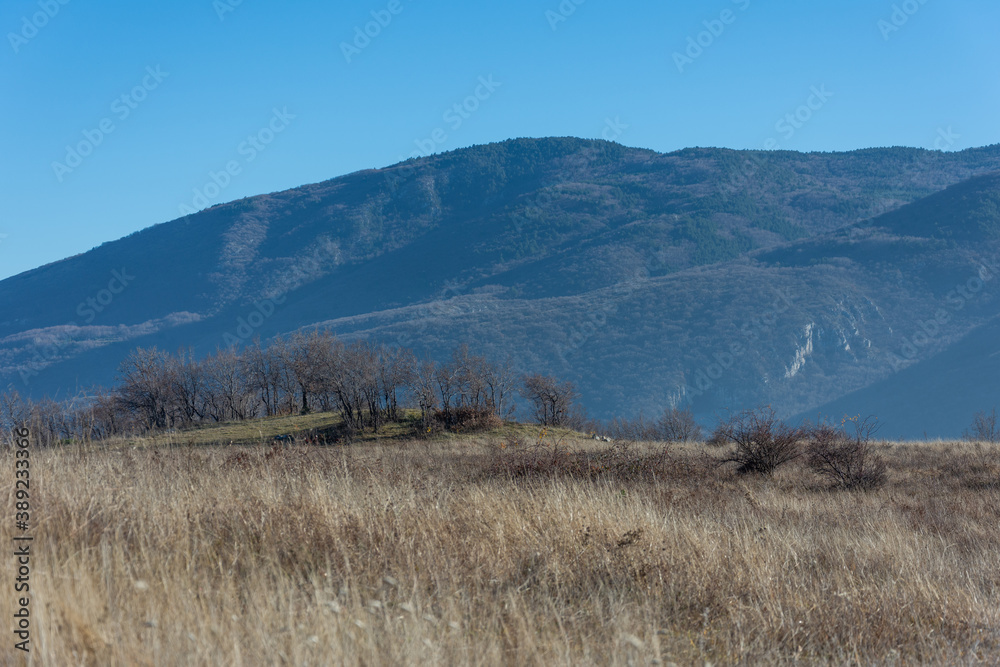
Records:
x=517, y=457
x=846, y=460
x=622, y=461
x=763, y=442
x=984, y=427
x=468, y=418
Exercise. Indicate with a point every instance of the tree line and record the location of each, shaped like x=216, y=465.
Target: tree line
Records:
x=368, y=383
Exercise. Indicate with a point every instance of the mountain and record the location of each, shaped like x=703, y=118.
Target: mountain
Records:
x=715, y=278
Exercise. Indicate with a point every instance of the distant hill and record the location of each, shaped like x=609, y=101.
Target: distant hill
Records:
x=708, y=277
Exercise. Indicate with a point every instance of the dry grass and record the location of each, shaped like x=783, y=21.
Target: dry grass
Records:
x=408, y=553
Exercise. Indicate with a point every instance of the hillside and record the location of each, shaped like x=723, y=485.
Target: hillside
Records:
x=630, y=272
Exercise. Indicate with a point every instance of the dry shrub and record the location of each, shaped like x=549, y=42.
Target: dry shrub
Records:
x=238, y=460
x=622, y=461
x=763, y=442
x=467, y=419
x=846, y=460
x=976, y=468
x=276, y=458
x=517, y=456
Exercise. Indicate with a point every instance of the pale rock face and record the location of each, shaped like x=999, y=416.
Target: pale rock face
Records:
x=802, y=352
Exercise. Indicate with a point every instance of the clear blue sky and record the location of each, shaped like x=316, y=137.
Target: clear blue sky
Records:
x=222, y=78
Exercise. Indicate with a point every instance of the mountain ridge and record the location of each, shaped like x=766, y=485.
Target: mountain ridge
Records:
x=539, y=233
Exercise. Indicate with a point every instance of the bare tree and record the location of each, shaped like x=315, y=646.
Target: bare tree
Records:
x=230, y=395
x=678, y=426
x=469, y=371
x=501, y=382
x=396, y=372
x=984, y=428
x=109, y=416
x=264, y=367
x=285, y=383
x=353, y=381
x=638, y=429
x=447, y=382
x=552, y=400
x=144, y=387
x=186, y=384
x=309, y=355
x=15, y=412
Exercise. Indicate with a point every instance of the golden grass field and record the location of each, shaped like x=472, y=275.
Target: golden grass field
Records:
x=409, y=552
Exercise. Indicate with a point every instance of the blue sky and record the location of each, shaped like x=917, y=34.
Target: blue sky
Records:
x=191, y=88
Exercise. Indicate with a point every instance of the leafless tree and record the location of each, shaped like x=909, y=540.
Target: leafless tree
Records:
x=264, y=367
x=15, y=412
x=309, y=355
x=396, y=371
x=501, y=383
x=638, y=429
x=352, y=380
x=424, y=391
x=230, y=395
x=984, y=428
x=143, y=387
x=186, y=386
x=553, y=400
x=447, y=382
x=678, y=426
x=109, y=416
x=285, y=384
